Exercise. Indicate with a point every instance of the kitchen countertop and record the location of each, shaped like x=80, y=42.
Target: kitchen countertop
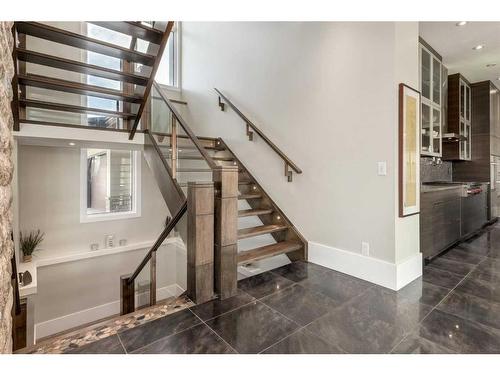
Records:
x=431, y=188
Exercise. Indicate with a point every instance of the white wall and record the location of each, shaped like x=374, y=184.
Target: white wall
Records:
x=78, y=292
x=74, y=293
x=326, y=93
x=49, y=200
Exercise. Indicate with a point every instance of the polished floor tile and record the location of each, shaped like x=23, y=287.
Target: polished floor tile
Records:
x=472, y=308
x=298, y=271
x=481, y=286
x=458, y=254
x=197, y=340
x=252, y=328
x=490, y=265
x=108, y=345
x=217, y=307
x=458, y=334
x=337, y=286
x=300, y=304
x=426, y=293
x=380, y=304
x=263, y=284
x=142, y=335
x=357, y=332
x=441, y=278
x=303, y=342
x=458, y=267
x=414, y=344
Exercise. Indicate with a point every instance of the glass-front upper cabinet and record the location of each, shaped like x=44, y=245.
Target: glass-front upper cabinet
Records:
x=458, y=139
x=431, y=91
x=465, y=119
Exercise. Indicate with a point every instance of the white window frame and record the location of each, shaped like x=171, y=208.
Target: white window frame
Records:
x=108, y=216
x=176, y=59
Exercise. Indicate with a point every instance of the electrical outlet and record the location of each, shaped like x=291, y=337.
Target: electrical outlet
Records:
x=109, y=241
x=365, y=248
x=382, y=168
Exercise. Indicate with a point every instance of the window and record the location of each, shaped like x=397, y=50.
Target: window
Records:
x=113, y=37
x=110, y=184
x=168, y=70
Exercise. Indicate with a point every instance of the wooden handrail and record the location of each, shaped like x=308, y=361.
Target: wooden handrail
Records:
x=250, y=124
x=156, y=64
x=186, y=127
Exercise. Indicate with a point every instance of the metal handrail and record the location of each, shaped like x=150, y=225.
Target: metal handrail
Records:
x=250, y=124
x=186, y=127
x=170, y=226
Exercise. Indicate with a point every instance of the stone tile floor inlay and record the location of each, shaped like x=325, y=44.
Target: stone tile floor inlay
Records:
x=71, y=342
x=305, y=308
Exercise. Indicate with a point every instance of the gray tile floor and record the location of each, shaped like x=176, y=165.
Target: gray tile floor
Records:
x=305, y=308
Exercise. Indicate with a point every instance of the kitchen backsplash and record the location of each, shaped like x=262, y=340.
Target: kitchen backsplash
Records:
x=430, y=171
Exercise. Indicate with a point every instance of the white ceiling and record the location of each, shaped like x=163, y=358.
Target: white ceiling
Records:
x=455, y=44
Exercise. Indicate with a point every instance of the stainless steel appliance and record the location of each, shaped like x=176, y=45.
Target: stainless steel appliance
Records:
x=494, y=187
x=474, y=207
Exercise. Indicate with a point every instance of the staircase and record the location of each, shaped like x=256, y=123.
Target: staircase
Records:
x=254, y=203
x=55, y=90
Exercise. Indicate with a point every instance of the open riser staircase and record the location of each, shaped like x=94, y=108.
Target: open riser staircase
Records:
x=245, y=226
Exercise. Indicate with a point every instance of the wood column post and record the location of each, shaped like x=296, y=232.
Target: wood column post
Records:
x=226, y=230
x=200, y=241
x=127, y=295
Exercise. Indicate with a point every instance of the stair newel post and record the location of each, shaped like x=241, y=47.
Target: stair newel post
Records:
x=127, y=295
x=174, y=146
x=152, y=282
x=226, y=230
x=200, y=241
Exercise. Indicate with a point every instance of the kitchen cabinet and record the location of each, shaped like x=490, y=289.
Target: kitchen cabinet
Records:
x=431, y=98
x=485, y=138
x=439, y=220
x=457, y=140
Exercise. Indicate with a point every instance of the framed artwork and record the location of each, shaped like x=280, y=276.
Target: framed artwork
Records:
x=409, y=151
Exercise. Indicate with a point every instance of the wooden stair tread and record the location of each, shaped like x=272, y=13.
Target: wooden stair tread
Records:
x=79, y=67
x=72, y=108
x=268, y=251
x=69, y=38
x=245, y=182
x=255, y=212
x=194, y=157
x=76, y=88
x=194, y=170
x=134, y=29
x=260, y=230
x=250, y=196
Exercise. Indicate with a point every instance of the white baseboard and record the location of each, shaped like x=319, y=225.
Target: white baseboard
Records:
x=389, y=275
x=78, y=318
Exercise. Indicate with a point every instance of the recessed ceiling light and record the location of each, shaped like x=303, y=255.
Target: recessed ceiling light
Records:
x=72, y=143
x=461, y=23
x=478, y=47
x=490, y=65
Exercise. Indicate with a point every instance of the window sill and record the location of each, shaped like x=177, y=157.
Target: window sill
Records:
x=109, y=217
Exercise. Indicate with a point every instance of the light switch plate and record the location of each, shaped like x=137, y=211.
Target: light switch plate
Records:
x=382, y=168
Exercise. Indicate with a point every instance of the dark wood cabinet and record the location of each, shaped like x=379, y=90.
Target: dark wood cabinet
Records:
x=439, y=220
x=485, y=134
x=457, y=140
